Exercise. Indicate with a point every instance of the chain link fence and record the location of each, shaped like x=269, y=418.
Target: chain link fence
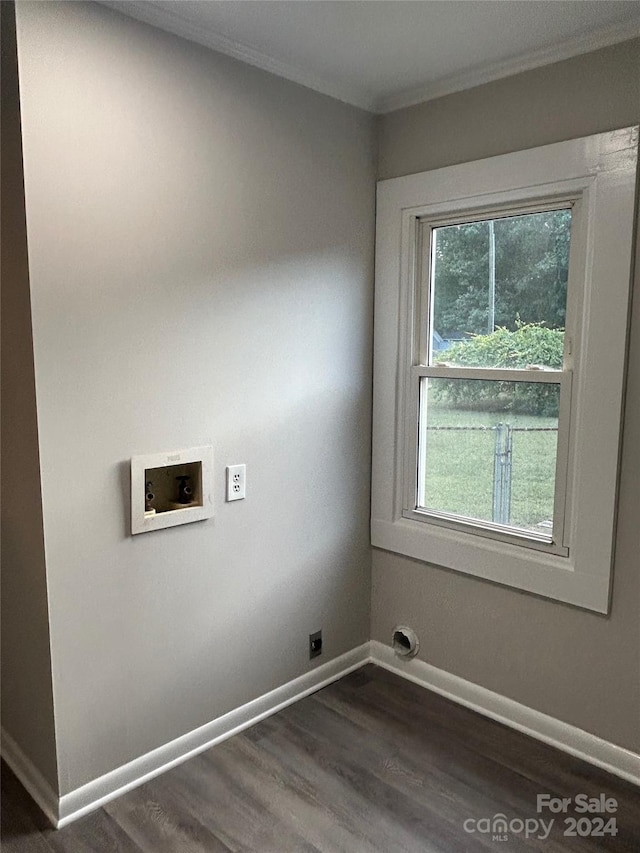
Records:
x=523, y=473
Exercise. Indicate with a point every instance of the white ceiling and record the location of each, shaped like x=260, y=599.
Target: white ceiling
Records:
x=386, y=54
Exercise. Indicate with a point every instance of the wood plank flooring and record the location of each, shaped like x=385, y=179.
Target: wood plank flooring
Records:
x=370, y=764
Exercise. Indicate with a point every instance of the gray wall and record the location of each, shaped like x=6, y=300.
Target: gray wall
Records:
x=587, y=94
x=200, y=248
x=574, y=665
x=27, y=698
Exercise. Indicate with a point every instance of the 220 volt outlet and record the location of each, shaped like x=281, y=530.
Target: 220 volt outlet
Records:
x=315, y=644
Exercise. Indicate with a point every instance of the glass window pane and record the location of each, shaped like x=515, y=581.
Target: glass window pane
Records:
x=488, y=451
x=499, y=291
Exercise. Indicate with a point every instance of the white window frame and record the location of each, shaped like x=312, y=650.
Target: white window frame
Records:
x=417, y=357
x=597, y=175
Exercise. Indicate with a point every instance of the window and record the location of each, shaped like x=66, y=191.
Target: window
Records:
x=490, y=376
x=502, y=292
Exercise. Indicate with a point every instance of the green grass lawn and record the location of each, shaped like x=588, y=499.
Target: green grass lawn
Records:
x=459, y=464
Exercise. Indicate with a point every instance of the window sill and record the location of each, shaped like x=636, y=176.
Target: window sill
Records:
x=528, y=569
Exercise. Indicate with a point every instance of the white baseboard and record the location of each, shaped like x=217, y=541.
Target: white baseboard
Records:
x=70, y=807
x=615, y=759
x=30, y=776
x=99, y=791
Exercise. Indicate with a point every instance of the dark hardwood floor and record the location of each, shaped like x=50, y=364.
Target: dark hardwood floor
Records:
x=370, y=763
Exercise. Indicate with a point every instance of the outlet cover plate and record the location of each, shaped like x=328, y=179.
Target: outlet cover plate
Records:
x=315, y=645
x=236, y=482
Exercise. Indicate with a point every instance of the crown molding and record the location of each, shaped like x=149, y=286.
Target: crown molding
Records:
x=170, y=21
x=603, y=37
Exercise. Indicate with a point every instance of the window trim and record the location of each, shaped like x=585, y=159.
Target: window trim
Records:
x=599, y=173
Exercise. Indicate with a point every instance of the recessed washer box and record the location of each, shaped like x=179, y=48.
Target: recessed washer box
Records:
x=171, y=488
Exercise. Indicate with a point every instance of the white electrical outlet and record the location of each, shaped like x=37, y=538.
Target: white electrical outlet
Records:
x=236, y=482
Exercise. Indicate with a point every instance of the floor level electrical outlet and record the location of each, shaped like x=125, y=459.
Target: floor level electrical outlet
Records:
x=236, y=482
x=315, y=644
